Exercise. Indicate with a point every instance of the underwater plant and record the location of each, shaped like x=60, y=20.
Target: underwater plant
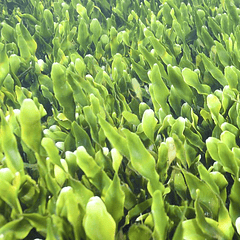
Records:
x=119, y=119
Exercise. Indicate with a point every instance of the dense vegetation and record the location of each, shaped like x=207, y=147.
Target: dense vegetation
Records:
x=119, y=119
